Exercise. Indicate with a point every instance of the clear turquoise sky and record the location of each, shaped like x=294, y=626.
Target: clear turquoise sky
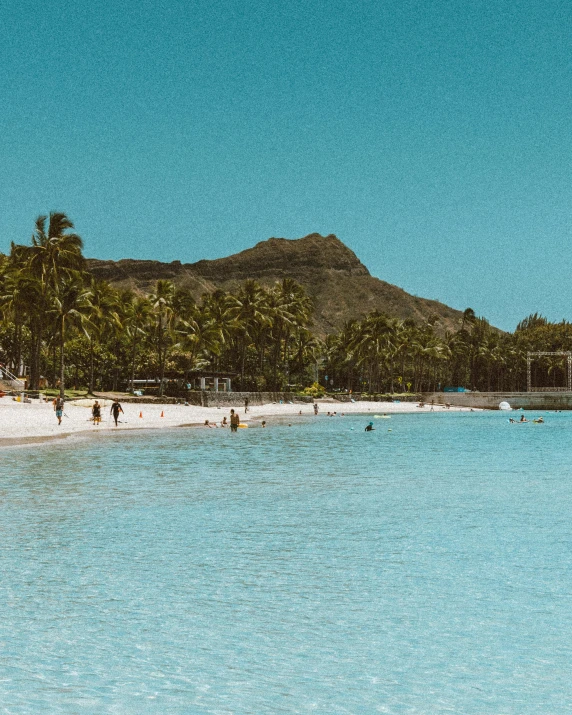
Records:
x=433, y=137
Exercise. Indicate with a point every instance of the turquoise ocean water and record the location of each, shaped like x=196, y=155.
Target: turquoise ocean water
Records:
x=306, y=569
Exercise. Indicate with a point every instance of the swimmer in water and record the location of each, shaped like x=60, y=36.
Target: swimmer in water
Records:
x=370, y=427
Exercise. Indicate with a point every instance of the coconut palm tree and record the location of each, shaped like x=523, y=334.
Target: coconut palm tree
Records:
x=70, y=303
x=136, y=319
x=101, y=311
x=251, y=315
x=53, y=256
x=199, y=335
x=162, y=303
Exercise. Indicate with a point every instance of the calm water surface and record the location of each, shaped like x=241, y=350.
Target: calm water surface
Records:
x=306, y=569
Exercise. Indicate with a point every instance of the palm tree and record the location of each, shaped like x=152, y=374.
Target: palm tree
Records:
x=162, y=303
x=199, y=335
x=137, y=313
x=102, y=310
x=71, y=302
x=251, y=315
x=55, y=254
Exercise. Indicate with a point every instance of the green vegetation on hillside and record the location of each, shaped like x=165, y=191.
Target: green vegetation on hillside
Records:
x=75, y=331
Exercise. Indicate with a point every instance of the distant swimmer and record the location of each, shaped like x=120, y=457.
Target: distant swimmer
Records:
x=522, y=419
x=263, y=423
x=370, y=427
x=115, y=410
x=539, y=421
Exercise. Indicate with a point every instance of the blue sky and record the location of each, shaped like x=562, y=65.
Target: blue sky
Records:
x=433, y=138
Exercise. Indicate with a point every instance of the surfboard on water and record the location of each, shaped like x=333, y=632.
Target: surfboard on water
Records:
x=382, y=417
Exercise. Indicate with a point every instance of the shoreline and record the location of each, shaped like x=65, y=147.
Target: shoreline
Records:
x=25, y=424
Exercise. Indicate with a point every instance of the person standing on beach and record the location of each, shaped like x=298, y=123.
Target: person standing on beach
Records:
x=316, y=408
x=245, y=405
x=96, y=412
x=234, y=421
x=115, y=410
x=59, y=408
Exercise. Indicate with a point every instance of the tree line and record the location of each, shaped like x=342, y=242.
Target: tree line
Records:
x=76, y=331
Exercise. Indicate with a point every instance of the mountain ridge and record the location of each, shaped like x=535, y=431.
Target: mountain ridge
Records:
x=340, y=285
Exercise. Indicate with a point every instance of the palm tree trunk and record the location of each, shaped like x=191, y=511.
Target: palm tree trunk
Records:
x=91, y=366
x=163, y=359
x=62, y=358
x=133, y=354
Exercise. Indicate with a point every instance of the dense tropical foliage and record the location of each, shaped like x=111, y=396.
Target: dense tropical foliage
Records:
x=66, y=327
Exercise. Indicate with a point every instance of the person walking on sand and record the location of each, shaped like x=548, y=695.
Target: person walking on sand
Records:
x=58, y=404
x=115, y=410
x=245, y=405
x=234, y=421
x=96, y=412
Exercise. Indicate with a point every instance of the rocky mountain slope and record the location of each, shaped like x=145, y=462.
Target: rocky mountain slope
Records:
x=341, y=286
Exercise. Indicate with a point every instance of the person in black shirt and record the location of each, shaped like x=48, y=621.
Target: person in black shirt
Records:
x=115, y=410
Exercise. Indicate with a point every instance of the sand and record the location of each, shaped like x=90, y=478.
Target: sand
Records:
x=25, y=423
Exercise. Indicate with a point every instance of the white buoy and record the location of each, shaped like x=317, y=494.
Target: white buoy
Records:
x=504, y=406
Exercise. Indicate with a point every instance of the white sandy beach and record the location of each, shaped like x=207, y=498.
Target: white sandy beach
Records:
x=35, y=421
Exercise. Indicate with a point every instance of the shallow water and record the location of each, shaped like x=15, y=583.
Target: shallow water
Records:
x=306, y=569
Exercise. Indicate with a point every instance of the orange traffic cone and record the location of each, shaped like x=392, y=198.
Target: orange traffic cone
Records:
x=141, y=415
x=162, y=413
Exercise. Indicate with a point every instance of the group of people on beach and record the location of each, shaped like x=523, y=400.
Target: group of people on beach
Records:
x=115, y=411
x=234, y=421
